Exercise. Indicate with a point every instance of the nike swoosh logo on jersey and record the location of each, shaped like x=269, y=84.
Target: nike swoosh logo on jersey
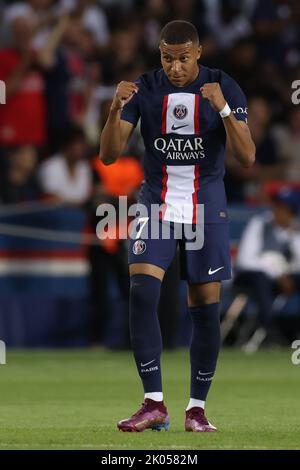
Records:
x=174, y=128
x=210, y=271
x=147, y=363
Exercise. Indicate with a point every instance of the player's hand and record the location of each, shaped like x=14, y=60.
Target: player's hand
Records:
x=213, y=93
x=124, y=93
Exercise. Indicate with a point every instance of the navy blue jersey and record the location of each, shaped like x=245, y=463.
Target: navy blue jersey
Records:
x=184, y=143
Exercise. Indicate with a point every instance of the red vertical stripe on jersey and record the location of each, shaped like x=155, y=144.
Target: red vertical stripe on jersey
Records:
x=196, y=187
x=197, y=167
x=164, y=115
x=164, y=191
x=196, y=115
x=164, y=183
x=164, y=168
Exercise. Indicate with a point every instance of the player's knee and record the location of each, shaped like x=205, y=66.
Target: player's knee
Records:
x=143, y=289
x=196, y=298
x=146, y=269
x=203, y=294
x=198, y=301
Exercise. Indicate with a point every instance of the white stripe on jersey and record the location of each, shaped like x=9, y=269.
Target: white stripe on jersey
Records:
x=179, y=195
x=186, y=124
x=180, y=180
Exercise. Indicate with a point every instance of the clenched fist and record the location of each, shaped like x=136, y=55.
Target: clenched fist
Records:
x=214, y=94
x=124, y=92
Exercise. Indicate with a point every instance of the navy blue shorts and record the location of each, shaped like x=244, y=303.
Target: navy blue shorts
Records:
x=210, y=263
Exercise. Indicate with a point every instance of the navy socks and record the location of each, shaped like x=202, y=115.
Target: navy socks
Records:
x=204, y=348
x=145, y=330
x=146, y=338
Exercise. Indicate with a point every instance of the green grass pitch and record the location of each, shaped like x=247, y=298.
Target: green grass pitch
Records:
x=72, y=400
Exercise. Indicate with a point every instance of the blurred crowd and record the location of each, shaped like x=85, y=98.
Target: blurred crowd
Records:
x=62, y=59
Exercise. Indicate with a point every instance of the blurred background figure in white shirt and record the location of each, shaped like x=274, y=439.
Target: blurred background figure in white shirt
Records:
x=67, y=176
x=268, y=259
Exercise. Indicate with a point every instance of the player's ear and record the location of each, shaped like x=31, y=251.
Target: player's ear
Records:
x=199, y=51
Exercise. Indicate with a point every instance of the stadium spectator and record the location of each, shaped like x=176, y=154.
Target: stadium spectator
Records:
x=18, y=182
x=92, y=18
x=268, y=164
x=271, y=20
x=287, y=138
x=42, y=13
x=95, y=94
x=268, y=259
x=243, y=63
x=126, y=47
x=67, y=175
x=23, y=118
x=27, y=73
x=229, y=21
x=70, y=81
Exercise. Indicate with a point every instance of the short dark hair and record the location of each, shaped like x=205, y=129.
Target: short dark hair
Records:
x=179, y=32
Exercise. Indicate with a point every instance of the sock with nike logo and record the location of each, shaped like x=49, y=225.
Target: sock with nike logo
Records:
x=145, y=330
x=204, y=349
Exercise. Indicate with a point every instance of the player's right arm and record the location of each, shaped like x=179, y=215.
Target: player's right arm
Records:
x=116, y=131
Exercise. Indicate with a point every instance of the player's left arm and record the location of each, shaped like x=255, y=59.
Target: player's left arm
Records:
x=238, y=133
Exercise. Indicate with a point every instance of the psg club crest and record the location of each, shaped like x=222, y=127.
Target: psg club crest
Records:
x=139, y=247
x=180, y=111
